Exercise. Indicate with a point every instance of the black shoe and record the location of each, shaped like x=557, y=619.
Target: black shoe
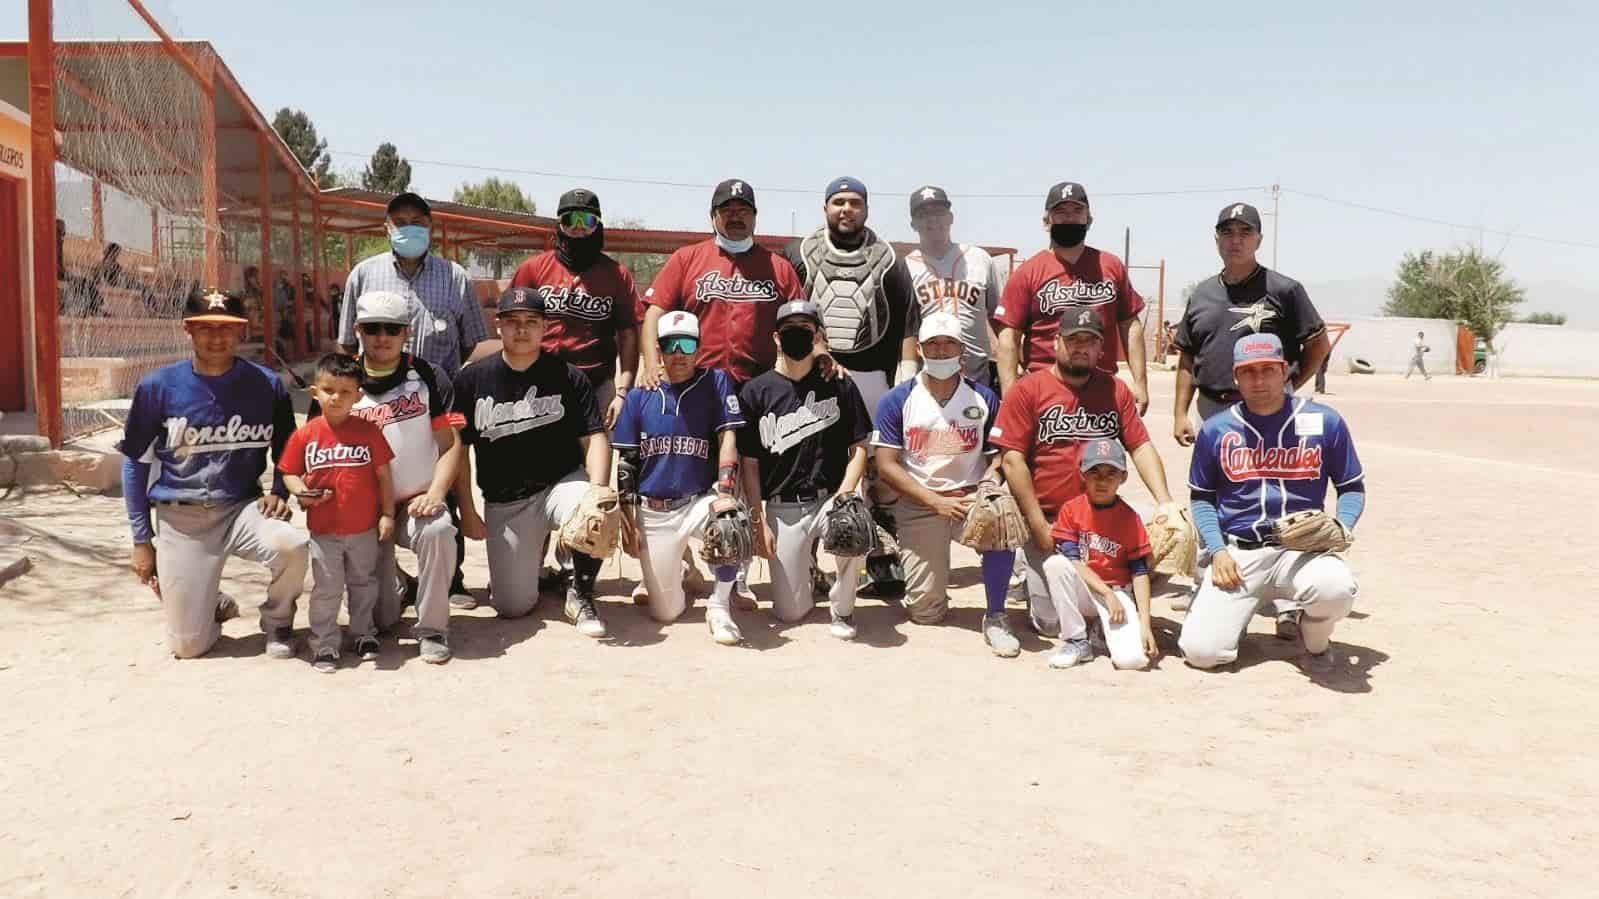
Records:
x=554, y=580
x=407, y=587
x=367, y=648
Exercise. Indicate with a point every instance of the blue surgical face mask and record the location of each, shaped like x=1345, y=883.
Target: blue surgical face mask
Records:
x=408, y=241
x=734, y=246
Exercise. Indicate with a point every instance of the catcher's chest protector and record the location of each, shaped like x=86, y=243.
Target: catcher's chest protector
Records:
x=847, y=286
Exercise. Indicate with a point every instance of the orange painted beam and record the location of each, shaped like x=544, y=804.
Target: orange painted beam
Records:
x=295, y=283
x=177, y=52
x=263, y=157
x=46, y=311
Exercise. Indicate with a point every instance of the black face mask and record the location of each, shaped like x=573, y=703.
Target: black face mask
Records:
x=578, y=253
x=796, y=342
x=1068, y=235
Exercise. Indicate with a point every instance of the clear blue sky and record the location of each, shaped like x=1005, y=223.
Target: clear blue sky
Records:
x=1478, y=117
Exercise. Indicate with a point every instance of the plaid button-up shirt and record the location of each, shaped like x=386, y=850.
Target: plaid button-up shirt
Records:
x=446, y=322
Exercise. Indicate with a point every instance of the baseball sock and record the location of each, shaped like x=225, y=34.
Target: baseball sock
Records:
x=722, y=596
x=585, y=569
x=997, y=564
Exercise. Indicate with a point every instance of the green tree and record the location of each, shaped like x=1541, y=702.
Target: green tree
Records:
x=1544, y=318
x=1464, y=286
x=644, y=266
x=506, y=196
x=387, y=171
x=297, y=131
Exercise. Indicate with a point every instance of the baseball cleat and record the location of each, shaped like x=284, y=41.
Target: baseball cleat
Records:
x=280, y=643
x=464, y=601
x=326, y=662
x=822, y=582
x=1288, y=625
x=1072, y=653
x=581, y=612
x=435, y=650
x=997, y=634
x=723, y=630
x=366, y=649
x=227, y=608
x=843, y=626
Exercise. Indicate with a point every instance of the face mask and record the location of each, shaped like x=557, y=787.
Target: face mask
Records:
x=409, y=241
x=1068, y=235
x=796, y=342
x=942, y=368
x=734, y=246
x=578, y=253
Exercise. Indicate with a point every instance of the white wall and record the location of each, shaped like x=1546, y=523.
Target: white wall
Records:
x=1387, y=343
x=1552, y=351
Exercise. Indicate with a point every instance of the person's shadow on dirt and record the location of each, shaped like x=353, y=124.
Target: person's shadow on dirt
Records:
x=1350, y=671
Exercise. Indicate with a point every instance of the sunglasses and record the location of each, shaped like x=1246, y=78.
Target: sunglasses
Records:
x=372, y=329
x=687, y=346
x=580, y=221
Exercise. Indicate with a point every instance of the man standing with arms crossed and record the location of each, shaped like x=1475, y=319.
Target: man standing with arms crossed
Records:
x=1068, y=276
x=957, y=278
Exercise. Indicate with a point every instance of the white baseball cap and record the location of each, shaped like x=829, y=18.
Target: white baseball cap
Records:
x=939, y=324
x=678, y=324
x=382, y=306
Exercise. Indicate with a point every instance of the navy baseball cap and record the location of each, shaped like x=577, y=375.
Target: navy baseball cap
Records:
x=1065, y=192
x=1238, y=212
x=733, y=189
x=214, y=306
x=799, y=307
x=928, y=196
x=520, y=299
x=1254, y=349
x=844, y=185
x=1103, y=451
x=409, y=200
x=578, y=198
x=1081, y=319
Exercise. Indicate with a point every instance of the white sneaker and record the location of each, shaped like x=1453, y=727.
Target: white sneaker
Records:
x=723, y=630
x=581, y=612
x=843, y=626
x=1071, y=653
x=997, y=634
x=465, y=601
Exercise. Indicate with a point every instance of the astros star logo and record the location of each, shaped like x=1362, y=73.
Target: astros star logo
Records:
x=928, y=193
x=216, y=300
x=1254, y=317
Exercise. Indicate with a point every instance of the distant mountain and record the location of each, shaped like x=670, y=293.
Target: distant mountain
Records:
x=1363, y=297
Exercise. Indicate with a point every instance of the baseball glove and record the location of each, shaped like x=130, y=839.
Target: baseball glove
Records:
x=593, y=527
x=994, y=521
x=848, y=530
x=1311, y=531
x=1173, y=543
x=729, y=537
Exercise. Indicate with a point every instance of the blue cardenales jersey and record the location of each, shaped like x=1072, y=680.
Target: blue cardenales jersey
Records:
x=675, y=428
x=1262, y=468
x=208, y=436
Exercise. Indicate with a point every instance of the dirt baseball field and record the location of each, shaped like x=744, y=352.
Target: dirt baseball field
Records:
x=1450, y=754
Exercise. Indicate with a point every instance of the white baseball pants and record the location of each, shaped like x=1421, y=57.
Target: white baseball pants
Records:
x=1075, y=603
x=1319, y=585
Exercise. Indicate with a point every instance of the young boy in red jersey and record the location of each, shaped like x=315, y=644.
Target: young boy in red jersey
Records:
x=337, y=466
x=1103, y=551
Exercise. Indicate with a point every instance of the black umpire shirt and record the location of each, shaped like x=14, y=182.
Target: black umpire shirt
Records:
x=1218, y=314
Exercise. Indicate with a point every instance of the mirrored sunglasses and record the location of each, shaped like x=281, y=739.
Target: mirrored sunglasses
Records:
x=372, y=329
x=687, y=346
x=577, y=220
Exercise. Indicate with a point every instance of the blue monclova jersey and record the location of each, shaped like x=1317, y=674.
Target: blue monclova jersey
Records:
x=675, y=428
x=1260, y=468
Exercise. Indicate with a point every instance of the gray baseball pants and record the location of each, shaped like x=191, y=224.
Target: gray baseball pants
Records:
x=433, y=541
x=339, y=561
x=516, y=532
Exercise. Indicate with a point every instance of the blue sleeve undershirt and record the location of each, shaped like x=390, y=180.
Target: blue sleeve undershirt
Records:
x=1069, y=549
x=136, y=497
x=1351, y=504
x=1202, y=507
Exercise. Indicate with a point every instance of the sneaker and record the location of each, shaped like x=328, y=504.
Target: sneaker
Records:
x=997, y=634
x=435, y=650
x=723, y=630
x=367, y=648
x=464, y=601
x=1288, y=625
x=227, y=608
x=326, y=662
x=580, y=611
x=641, y=595
x=822, y=582
x=743, y=596
x=280, y=643
x=843, y=626
x=1071, y=653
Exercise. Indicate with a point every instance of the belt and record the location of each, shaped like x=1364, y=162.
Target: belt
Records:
x=1242, y=543
x=800, y=498
x=1221, y=396
x=669, y=504
x=192, y=504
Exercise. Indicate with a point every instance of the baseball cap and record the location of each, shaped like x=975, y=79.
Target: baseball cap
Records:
x=927, y=195
x=939, y=324
x=678, y=324
x=382, y=306
x=214, y=306
x=1239, y=212
x=409, y=200
x=733, y=189
x=1066, y=191
x=799, y=307
x=1103, y=451
x=1081, y=318
x=1254, y=349
x=843, y=185
x=520, y=299
x=578, y=198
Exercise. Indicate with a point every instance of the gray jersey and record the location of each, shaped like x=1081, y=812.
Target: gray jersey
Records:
x=964, y=282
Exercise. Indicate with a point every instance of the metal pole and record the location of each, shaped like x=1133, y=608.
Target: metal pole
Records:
x=1160, y=301
x=1127, y=246
x=317, y=247
x=295, y=281
x=208, y=187
x=42, y=178
x=1276, y=216
x=264, y=187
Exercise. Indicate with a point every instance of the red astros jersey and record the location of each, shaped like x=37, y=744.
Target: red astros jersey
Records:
x=582, y=313
x=1107, y=539
x=736, y=299
x=344, y=459
x=1047, y=420
x=1039, y=292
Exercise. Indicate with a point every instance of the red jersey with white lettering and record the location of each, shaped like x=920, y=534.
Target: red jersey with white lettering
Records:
x=1048, y=420
x=582, y=313
x=736, y=299
x=1041, y=291
x=343, y=459
x=1107, y=538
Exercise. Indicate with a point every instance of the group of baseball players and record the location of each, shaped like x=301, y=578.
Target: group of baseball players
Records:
x=837, y=398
